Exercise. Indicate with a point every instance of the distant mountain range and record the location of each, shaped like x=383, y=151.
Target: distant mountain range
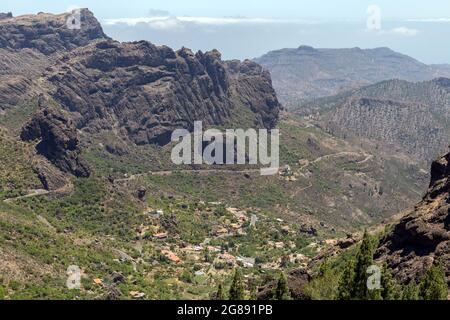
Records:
x=306, y=73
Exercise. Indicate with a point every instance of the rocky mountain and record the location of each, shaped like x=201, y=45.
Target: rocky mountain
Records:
x=48, y=33
x=307, y=73
x=149, y=91
x=137, y=89
x=423, y=235
x=405, y=117
x=110, y=103
x=31, y=43
x=88, y=119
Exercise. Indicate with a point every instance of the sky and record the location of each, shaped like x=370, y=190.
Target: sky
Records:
x=249, y=28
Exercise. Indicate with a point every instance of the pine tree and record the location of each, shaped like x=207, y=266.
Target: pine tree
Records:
x=220, y=293
x=282, y=291
x=346, y=282
x=411, y=291
x=434, y=285
x=364, y=259
x=237, y=287
x=389, y=288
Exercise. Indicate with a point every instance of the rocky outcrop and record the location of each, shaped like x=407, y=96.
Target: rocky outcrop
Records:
x=51, y=178
x=296, y=281
x=30, y=44
x=58, y=141
x=148, y=91
x=423, y=235
x=139, y=90
x=49, y=33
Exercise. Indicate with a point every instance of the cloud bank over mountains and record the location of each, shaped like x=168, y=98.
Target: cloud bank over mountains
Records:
x=168, y=21
x=244, y=37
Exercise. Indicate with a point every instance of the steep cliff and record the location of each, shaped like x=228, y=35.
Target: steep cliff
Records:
x=59, y=142
x=424, y=234
x=148, y=91
x=139, y=90
x=48, y=33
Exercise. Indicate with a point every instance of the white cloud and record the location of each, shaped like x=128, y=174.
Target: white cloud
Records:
x=168, y=22
x=400, y=31
x=404, y=31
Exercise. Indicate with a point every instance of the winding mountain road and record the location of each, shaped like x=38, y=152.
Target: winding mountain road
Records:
x=170, y=172
x=33, y=193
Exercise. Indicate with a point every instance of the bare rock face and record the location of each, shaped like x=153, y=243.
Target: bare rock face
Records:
x=59, y=141
x=48, y=33
x=29, y=44
x=423, y=235
x=139, y=90
x=149, y=91
x=50, y=177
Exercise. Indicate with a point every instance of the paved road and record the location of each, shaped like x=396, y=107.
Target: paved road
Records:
x=33, y=193
x=66, y=189
x=340, y=154
x=200, y=171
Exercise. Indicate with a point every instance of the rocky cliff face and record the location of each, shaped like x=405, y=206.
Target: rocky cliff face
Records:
x=48, y=33
x=59, y=142
x=148, y=91
x=29, y=44
x=139, y=90
x=423, y=235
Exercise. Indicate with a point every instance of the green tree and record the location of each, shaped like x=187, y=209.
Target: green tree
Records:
x=411, y=291
x=346, y=282
x=281, y=291
x=434, y=285
x=237, y=287
x=389, y=287
x=324, y=284
x=364, y=259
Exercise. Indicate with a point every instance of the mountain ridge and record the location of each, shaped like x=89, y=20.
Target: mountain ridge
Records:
x=410, y=116
x=306, y=73
x=148, y=90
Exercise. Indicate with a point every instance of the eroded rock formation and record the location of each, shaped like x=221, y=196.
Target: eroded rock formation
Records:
x=423, y=235
x=59, y=142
